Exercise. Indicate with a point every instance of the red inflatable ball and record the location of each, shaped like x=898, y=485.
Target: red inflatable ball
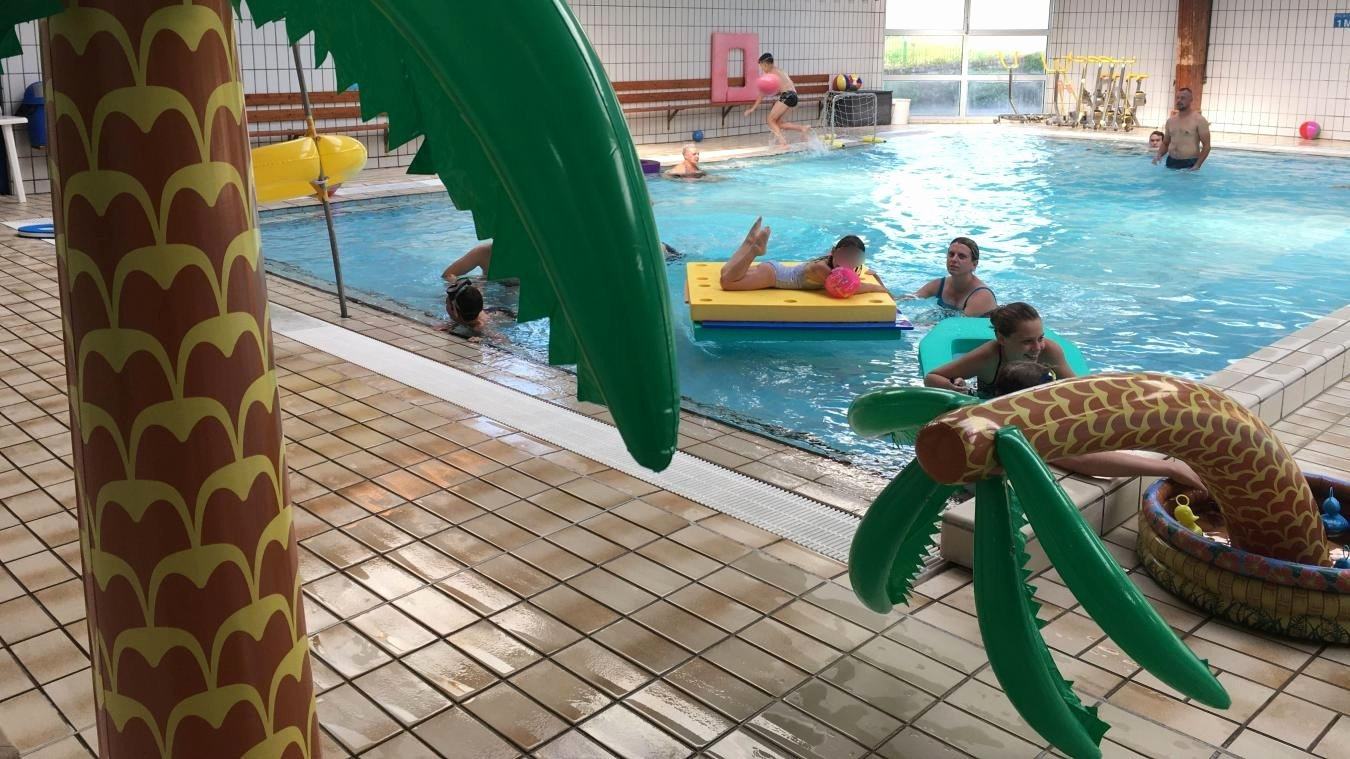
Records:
x=842, y=282
x=1309, y=130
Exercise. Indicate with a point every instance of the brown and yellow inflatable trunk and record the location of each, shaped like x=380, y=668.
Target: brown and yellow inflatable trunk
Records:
x=1264, y=497
x=197, y=634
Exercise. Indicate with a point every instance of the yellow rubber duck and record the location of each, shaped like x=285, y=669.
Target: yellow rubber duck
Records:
x=1186, y=517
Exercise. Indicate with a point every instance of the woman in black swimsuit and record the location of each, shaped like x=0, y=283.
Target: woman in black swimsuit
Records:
x=1019, y=335
x=961, y=292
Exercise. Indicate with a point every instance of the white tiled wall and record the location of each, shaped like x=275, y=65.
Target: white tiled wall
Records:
x=266, y=65
x=1274, y=64
x=1142, y=29
x=636, y=39
x=20, y=71
x=672, y=39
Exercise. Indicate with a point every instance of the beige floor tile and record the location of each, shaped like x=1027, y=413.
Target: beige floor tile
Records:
x=910, y=665
x=678, y=714
x=69, y=748
x=1250, y=743
x=843, y=712
x=29, y=720
x=626, y=734
x=1324, y=694
x=1151, y=738
x=401, y=693
x=938, y=644
x=493, y=648
x=23, y=618
x=455, y=733
x=1253, y=645
x=1179, y=716
x=536, y=628
x=450, y=670
x=1335, y=740
x=560, y=691
x=515, y=715
x=912, y=742
x=602, y=668
x=979, y=739
x=49, y=656
x=1292, y=720
x=991, y=705
x=573, y=745
x=74, y=697
x=719, y=689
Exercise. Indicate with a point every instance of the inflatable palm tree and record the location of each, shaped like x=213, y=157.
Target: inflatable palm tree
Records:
x=961, y=441
x=197, y=633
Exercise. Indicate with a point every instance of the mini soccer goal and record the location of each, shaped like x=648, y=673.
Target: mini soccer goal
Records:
x=851, y=117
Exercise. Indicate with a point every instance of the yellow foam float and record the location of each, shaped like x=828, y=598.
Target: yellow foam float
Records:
x=287, y=169
x=708, y=302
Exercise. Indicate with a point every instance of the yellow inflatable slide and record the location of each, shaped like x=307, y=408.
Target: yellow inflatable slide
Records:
x=287, y=169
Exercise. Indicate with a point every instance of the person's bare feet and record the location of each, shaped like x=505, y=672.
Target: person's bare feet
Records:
x=756, y=241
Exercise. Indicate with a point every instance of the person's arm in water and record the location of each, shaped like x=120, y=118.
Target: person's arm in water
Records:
x=927, y=291
x=1202, y=133
x=1129, y=464
x=952, y=375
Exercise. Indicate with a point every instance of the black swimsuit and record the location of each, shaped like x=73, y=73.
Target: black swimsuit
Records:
x=788, y=98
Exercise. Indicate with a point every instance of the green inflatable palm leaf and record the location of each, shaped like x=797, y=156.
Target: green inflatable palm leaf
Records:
x=520, y=122
x=16, y=12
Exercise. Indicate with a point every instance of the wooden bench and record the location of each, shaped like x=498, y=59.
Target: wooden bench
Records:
x=267, y=109
x=672, y=96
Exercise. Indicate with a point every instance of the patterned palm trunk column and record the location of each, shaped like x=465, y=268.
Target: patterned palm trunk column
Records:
x=197, y=634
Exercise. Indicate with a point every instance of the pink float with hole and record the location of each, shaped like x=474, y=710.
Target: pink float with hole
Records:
x=723, y=43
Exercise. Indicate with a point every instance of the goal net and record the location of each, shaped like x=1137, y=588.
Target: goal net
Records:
x=851, y=116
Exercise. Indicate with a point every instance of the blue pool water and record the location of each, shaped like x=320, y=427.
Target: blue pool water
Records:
x=1144, y=268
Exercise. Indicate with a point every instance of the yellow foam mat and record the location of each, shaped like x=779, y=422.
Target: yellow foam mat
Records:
x=709, y=302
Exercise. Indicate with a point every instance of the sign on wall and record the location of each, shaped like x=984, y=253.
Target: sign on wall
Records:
x=1342, y=21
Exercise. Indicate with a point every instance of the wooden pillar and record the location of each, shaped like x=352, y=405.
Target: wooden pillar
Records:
x=1193, y=45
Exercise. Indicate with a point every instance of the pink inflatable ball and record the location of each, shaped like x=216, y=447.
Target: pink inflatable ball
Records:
x=1309, y=130
x=768, y=84
x=842, y=282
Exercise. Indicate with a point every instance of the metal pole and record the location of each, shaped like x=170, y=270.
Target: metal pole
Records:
x=321, y=184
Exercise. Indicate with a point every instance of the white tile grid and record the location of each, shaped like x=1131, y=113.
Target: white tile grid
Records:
x=672, y=39
x=1141, y=29
x=636, y=39
x=1274, y=64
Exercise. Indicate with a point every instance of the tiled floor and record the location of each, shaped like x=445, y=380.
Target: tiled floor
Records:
x=475, y=592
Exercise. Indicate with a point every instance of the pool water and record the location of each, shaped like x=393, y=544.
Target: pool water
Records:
x=1142, y=267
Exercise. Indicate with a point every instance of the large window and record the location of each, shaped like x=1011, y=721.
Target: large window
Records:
x=950, y=57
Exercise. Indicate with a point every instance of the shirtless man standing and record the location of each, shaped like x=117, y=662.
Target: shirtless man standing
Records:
x=787, y=98
x=1185, y=137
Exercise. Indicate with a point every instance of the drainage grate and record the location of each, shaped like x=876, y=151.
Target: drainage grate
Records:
x=791, y=516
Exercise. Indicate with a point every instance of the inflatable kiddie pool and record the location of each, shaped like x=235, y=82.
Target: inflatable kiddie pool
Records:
x=1280, y=597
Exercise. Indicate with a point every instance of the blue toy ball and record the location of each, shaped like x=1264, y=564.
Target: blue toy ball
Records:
x=698, y=135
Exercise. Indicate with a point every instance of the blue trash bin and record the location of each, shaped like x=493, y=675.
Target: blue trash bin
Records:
x=34, y=108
